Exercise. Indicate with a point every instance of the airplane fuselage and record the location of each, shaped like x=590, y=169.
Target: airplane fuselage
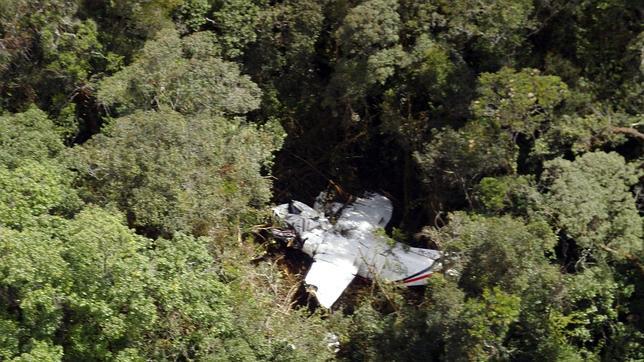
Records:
x=375, y=255
x=355, y=244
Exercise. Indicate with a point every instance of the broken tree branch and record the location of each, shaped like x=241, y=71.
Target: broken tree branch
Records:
x=628, y=131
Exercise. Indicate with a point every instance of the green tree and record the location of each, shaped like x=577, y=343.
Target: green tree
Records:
x=459, y=158
x=506, y=194
x=191, y=14
x=605, y=52
x=519, y=102
x=108, y=278
x=35, y=278
x=50, y=56
x=582, y=132
x=126, y=25
x=296, y=27
x=509, y=104
x=495, y=30
x=235, y=23
x=427, y=82
x=193, y=309
x=265, y=323
x=590, y=202
x=483, y=327
x=28, y=136
x=369, y=51
x=163, y=77
x=506, y=272
x=33, y=182
x=35, y=189
x=94, y=289
x=20, y=24
x=41, y=352
x=496, y=251
x=170, y=173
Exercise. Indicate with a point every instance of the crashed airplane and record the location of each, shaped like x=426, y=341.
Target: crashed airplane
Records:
x=353, y=245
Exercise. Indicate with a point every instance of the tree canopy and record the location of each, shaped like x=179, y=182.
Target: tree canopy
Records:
x=142, y=144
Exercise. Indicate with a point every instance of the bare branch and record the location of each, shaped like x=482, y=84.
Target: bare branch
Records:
x=628, y=131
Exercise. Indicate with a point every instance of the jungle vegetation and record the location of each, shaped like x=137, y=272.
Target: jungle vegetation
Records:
x=143, y=142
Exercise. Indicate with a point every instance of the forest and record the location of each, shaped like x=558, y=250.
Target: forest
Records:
x=144, y=142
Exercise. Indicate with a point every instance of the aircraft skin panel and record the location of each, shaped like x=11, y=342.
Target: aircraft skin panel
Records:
x=419, y=278
x=395, y=263
x=377, y=206
x=330, y=275
x=367, y=213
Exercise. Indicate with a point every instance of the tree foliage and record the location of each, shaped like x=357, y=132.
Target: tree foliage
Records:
x=169, y=172
x=28, y=136
x=589, y=200
x=518, y=101
x=141, y=143
x=163, y=77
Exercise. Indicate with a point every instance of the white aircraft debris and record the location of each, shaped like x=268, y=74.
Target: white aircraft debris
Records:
x=352, y=246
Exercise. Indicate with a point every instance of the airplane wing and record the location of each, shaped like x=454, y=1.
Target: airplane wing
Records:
x=373, y=208
x=330, y=274
x=408, y=265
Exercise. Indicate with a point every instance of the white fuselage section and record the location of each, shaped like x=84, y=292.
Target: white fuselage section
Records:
x=373, y=253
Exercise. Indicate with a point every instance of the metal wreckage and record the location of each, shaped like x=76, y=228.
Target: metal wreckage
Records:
x=352, y=245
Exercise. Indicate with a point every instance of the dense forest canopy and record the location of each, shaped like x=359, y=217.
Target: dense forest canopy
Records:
x=143, y=142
